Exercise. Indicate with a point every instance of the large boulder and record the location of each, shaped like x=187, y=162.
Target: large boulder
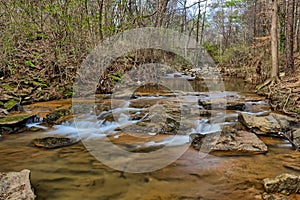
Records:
x=229, y=140
x=270, y=124
x=16, y=186
x=285, y=184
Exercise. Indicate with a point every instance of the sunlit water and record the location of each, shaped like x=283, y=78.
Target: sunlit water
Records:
x=73, y=173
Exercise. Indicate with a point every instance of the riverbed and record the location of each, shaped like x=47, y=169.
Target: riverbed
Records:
x=74, y=173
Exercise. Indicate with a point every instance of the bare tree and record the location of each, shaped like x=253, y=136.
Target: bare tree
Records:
x=290, y=36
x=274, y=41
x=162, y=6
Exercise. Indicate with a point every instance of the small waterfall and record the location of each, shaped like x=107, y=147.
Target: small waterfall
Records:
x=35, y=122
x=204, y=127
x=92, y=126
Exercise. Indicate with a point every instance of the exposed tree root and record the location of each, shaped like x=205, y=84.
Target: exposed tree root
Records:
x=288, y=136
x=269, y=82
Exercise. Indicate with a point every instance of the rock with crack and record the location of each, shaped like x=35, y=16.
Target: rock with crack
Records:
x=229, y=141
x=285, y=184
x=16, y=185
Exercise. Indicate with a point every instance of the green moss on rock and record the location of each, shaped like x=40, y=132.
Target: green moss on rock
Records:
x=10, y=104
x=14, y=119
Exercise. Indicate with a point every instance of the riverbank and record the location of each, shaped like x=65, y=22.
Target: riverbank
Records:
x=284, y=95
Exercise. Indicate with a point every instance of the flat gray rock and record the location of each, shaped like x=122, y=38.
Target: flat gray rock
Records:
x=16, y=186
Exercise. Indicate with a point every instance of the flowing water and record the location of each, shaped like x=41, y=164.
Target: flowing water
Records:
x=72, y=172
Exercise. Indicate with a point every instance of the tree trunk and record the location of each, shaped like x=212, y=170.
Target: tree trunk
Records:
x=198, y=22
x=161, y=10
x=184, y=16
x=297, y=32
x=290, y=37
x=100, y=12
x=203, y=23
x=274, y=40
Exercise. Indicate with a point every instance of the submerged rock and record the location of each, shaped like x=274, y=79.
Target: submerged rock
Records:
x=53, y=142
x=293, y=166
x=16, y=185
x=229, y=140
x=285, y=184
x=270, y=124
x=291, y=161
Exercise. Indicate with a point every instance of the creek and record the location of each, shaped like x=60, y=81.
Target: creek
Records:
x=74, y=172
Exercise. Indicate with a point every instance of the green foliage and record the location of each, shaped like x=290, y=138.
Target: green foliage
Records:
x=235, y=18
x=7, y=87
x=69, y=94
x=115, y=78
x=229, y=54
x=10, y=104
x=233, y=53
x=11, y=70
x=212, y=50
x=232, y=3
x=29, y=63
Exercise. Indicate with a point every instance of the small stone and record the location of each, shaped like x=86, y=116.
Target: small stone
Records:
x=53, y=142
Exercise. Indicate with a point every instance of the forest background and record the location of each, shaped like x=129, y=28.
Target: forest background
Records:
x=43, y=42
